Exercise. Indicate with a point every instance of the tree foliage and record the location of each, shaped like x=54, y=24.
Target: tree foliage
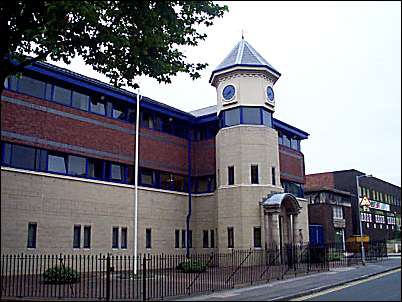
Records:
x=121, y=39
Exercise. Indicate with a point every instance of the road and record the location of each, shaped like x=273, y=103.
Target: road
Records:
x=384, y=287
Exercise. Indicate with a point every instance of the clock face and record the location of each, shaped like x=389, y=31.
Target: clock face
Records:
x=228, y=92
x=270, y=93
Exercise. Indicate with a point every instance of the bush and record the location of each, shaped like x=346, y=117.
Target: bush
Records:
x=191, y=266
x=61, y=275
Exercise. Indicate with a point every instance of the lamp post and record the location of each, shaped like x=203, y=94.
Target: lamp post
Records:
x=360, y=218
x=137, y=129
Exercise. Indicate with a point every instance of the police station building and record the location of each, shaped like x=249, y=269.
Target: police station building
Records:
x=223, y=177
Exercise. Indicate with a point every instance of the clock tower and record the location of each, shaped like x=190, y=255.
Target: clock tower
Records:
x=247, y=155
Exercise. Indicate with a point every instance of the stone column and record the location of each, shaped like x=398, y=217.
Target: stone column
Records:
x=274, y=225
x=291, y=229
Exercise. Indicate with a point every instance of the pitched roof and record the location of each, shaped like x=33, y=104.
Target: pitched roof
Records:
x=243, y=54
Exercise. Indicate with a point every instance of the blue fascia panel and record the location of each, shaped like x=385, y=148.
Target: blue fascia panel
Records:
x=288, y=128
x=277, y=73
x=108, y=91
x=206, y=118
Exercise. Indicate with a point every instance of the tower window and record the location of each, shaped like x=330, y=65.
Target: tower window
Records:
x=251, y=116
x=32, y=227
x=230, y=237
x=257, y=236
x=205, y=239
x=254, y=174
x=148, y=238
x=273, y=176
x=231, y=175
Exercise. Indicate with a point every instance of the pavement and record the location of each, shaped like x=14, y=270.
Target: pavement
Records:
x=285, y=290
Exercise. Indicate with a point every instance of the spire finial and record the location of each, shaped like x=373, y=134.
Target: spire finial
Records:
x=242, y=34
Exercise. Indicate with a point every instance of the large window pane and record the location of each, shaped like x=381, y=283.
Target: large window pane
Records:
x=203, y=184
x=251, y=116
x=95, y=168
x=147, y=120
x=12, y=83
x=115, y=238
x=23, y=157
x=62, y=95
x=123, y=243
x=254, y=174
x=32, y=87
x=179, y=183
x=87, y=237
x=41, y=158
x=147, y=177
x=77, y=237
x=294, y=144
x=116, y=172
x=98, y=106
x=267, y=118
x=80, y=101
x=286, y=140
x=56, y=163
x=232, y=117
x=119, y=111
x=6, y=155
x=166, y=180
x=32, y=227
x=76, y=165
x=132, y=115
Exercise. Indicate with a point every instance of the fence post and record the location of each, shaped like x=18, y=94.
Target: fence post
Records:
x=108, y=273
x=144, y=278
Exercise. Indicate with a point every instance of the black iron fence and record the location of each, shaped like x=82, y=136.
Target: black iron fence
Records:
x=154, y=277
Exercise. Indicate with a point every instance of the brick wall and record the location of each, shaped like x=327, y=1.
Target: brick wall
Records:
x=291, y=164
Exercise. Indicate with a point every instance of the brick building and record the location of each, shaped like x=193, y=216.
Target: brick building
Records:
x=226, y=176
x=381, y=215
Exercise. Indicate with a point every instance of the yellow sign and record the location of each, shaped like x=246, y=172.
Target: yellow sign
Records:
x=356, y=238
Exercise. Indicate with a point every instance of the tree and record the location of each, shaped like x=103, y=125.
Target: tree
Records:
x=121, y=39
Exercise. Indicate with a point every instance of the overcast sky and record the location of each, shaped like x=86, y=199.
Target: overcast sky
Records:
x=341, y=77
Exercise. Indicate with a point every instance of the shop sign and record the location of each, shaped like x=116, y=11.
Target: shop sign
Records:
x=366, y=203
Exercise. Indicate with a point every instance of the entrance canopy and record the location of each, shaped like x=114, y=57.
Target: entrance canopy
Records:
x=275, y=201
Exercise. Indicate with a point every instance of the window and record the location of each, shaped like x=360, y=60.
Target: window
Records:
x=31, y=242
x=76, y=165
x=131, y=115
x=23, y=157
x=95, y=168
x=231, y=175
x=123, y=243
x=179, y=183
x=77, y=237
x=62, y=95
x=212, y=239
x=230, y=237
x=115, y=237
x=183, y=238
x=257, y=236
x=177, y=238
x=147, y=177
x=147, y=120
x=266, y=118
x=148, y=238
x=56, y=163
x=119, y=111
x=41, y=158
x=286, y=141
x=203, y=184
x=295, y=144
x=116, y=172
x=273, y=176
x=190, y=239
x=251, y=116
x=254, y=174
x=12, y=83
x=337, y=212
x=87, y=237
x=205, y=239
x=166, y=180
x=339, y=237
x=31, y=86
x=98, y=106
x=80, y=101
x=232, y=117
x=6, y=153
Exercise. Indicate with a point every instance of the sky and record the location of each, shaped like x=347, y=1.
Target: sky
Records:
x=341, y=77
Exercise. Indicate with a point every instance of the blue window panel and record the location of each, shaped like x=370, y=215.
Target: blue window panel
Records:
x=49, y=91
x=80, y=101
x=23, y=157
x=131, y=115
x=147, y=177
x=6, y=153
x=95, y=168
x=251, y=116
x=56, y=163
x=119, y=111
x=116, y=172
x=286, y=140
x=266, y=118
x=41, y=160
x=147, y=120
x=166, y=181
x=32, y=87
x=77, y=166
x=62, y=95
x=232, y=117
x=98, y=106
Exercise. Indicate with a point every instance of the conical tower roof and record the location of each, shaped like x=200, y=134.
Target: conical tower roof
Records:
x=243, y=54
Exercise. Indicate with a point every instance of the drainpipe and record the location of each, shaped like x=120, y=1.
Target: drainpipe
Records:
x=189, y=196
